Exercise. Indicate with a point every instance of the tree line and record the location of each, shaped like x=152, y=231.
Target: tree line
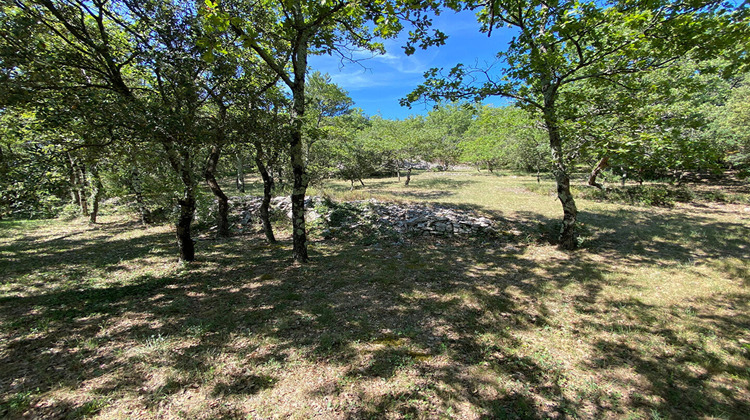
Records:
x=149, y=99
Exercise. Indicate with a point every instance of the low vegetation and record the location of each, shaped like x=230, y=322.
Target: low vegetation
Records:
x=648, y=320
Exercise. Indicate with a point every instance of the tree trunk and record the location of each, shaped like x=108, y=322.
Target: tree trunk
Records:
x=182, y=163
x=280, y=176
x=82, y=183
x=78, y=185
x=222, y=218
x=299, y=173
x=600, y=166
x=74, y=188
x=240, y=181
x=96, y=193
x=267, y=191
x=408, y=177
x=137, y=188
x=187, y=212
x=567, y=239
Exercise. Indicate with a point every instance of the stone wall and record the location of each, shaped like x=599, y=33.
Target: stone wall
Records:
x=413, y=219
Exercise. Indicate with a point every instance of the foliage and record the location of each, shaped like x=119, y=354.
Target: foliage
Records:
x=647, y=195
x=732, y=126
x=507, y=137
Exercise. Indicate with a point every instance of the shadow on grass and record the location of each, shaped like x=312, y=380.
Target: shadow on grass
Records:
x=445, y=314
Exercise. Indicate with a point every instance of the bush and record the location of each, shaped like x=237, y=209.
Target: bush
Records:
x=647, y=195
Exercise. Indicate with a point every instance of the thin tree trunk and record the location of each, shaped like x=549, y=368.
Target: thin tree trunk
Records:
x=240, y=181
x=267, y=191
x=78, y=181
x=280, y=176
x=567, y=239
x=408, y=177
x=137, y=188
x=600, y=166
x=82, y=183
x=74, y=188
x=96, y=192
x=222, y=219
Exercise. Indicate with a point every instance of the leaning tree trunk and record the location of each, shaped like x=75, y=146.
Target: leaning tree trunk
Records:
x=562, y=178
x=96, y=192
x=265, y=204
x=240, y=181
x=600, y=166
x=222, y=219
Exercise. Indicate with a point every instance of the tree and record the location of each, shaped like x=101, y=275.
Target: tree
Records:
x=506, y=137
x=172, y=91
x=444, y=130
x=732, y=124
x=284, y=34
x=563, y=43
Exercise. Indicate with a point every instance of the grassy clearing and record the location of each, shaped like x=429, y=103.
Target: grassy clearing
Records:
x=649, y=320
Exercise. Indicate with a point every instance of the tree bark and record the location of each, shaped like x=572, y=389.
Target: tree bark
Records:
x=137, y=188
x=222, y=218
x=265, y=204
x=182, y=163
x=567, y=240
x=82, y=183
x=408, y=177
x=184, y=239
x=96, y=192
x=74, y=189
x=78, y=185
x=600, y=166
x=240, y=181
x=299, y=173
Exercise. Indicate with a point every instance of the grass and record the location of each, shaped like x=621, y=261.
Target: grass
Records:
x=649, y=320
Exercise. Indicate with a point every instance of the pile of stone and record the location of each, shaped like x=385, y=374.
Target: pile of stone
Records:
x=248, y=208
x=432, y=220
x=413, y=219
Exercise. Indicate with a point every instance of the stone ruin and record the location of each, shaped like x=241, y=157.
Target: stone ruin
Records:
x=413, y=219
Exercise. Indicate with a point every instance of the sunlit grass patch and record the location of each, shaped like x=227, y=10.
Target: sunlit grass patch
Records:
x=649, y=319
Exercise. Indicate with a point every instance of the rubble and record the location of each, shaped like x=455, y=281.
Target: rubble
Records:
x=413, y=219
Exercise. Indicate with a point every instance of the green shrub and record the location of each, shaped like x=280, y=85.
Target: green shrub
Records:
x=647, y=195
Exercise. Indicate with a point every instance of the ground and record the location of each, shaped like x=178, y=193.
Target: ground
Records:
x=649, y=319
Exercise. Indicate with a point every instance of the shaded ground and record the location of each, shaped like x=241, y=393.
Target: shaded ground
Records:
x=649, y=320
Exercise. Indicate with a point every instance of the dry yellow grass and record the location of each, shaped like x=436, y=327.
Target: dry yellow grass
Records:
x=648, y=320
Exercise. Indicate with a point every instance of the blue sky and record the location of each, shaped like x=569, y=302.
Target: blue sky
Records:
x=377, y=83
